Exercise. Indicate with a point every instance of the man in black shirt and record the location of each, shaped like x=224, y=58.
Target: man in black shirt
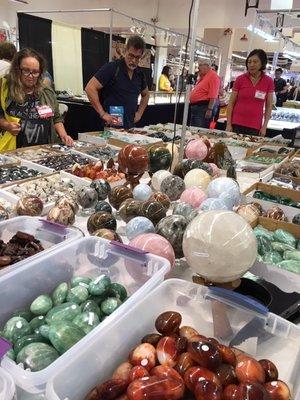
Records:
x=280, y=88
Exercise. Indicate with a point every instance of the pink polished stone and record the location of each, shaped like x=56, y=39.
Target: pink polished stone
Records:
x=196, y=149
x=193, y=196
x=155, y=244
x=216, y=171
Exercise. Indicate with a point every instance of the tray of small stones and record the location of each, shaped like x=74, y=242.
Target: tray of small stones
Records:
x=6, y=161
x=103, y=153
x=31, y=153
x=60, y=162
x=10, y=175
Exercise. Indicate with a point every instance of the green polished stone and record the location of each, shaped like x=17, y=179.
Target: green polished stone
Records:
x=99, y=285
x=66, y=311
x=15, y=328
x=292, y=255
x=26, y=314
x=59, y=295
x=80, y=280
x=290, y=265
x=281, y=247
x=37, y=322
x=41, y=305
x=263, y=245
x=273, y=258
x=283, y=236
x=109, y=305
x=25, y=340
x=78, y=294
x=98, y=299
x=37, y=356
x=63, y=335
x=11, y=354
x=90, y=306
x=87, y=321
x=117, y=290
x=261, y=231
x=44, y=331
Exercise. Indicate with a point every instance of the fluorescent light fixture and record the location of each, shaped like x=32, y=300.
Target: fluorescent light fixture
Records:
x=238, y=56
x=289, y=53
x=262, y=34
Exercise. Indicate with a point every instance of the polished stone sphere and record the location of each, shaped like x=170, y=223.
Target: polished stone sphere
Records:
x=196, y=149
x=194, y=196
x=172, y=228
x=197, y=177
x=225, y=188
x=137, y=226
x=172, y=186
x=213, y=204
x=133, y=160
x=142, y=192
x=158, y=177
x=159, y=158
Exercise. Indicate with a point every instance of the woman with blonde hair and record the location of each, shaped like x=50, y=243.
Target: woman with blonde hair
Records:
x=29, y=113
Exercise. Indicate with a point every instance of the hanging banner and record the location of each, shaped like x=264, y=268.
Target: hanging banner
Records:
x=118, y=51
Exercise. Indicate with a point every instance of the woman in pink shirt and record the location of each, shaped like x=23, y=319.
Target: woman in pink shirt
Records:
x=250, y=105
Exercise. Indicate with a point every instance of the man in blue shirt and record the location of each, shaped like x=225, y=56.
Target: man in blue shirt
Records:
x=117, y=86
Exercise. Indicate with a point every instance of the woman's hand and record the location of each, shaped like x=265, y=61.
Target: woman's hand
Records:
x=67, y=140
x=13, y=127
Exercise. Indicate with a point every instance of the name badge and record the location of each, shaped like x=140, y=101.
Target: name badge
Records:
x=45, y=111
x=260, y=95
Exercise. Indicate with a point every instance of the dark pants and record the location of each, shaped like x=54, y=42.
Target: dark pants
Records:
x=279, y=101
x=245, y=130
x=198, y=116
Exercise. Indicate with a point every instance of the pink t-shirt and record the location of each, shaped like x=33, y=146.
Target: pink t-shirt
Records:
x=249, y=107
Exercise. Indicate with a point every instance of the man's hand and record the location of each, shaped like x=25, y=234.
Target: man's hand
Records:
x=67, y=140
x=14, y=128
x=208, y=114
x=263, y=131
x=110, y=119
x=137, y=117
x=228, y=128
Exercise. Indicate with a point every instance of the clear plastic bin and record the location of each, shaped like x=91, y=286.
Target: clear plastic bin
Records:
x=49, y=233
x=7, y=386
x=138, y=271
x=228, y=316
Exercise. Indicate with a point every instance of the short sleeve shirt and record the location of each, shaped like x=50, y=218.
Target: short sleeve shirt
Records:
x=251, y=99
x=206, y=88
x=120, y=90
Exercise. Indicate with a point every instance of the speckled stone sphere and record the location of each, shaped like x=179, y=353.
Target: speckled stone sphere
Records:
x=133, y=160
x=225, y=251
x=196, y=149
x=101, y=220
x=142, y=192
x=159, y=158
x=153, y=210
x=155, y=244
x=213, y=204
x=61, y=215
x=118, y=195
x=107, y=234
x=158, y=177
x=129, y=209
x=162, y=198
x=296, y=219
x=29, y=205
x=68, y=201
x=194, y=196
x=197, y=177
x=172, y=186
x=137, y=226
x=103, y=206
x=87, y=197
x=184, y=209
x=102, y=188
x=172, y=228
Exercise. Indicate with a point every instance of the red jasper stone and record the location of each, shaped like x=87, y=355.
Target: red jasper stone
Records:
x=197, y=374
x=184, y=362
x=155, y=388
x=208, y=390
x=166, y=351
x=278, y=390
x=144, y=355
x=133, y=160
x=168, y=322
x=252, y=391
x=249, y=370
x=270, y=370
x=152, y=338
x=230, y=392
x=205, y=354
x=227, y=354
x=226, y=374
x=137, y=372
x=163, y=371
x=111, y=389
x=187, y=332
x=122, y=372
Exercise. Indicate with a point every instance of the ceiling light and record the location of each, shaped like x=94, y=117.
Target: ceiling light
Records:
x=262, y=33
x=238, y=56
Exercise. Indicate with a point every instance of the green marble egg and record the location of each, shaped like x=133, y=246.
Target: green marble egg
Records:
x=109, y=305
x=66, y=311
x=59, y=295
x=26, y=314
x=292, y=255
x=281, y=247
x=37, y=356
x=44, y=331
x=25, y=340
x=37, y=322
x=15, y=328
x=118, y=290
x=273, y=257
x=90, y=306
x=99, y=285
x=41, y=305
x=283, y=236
x=261, y=231
x=78, y=294
x=80, y=280
x=290, y=265
x=87, y=321
x=263, y=245
x=63, y=335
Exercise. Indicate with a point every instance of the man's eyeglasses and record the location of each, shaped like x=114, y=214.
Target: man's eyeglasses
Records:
x=27, y=72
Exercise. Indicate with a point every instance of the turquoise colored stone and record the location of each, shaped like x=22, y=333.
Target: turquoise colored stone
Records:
x=283, y=236
x=117, y=290
x=87, y=321
x=99, y=285
x=37, y=356
x=261, y=231
x=11, y=354
x=59, y=295
x=44, y=331
x=25, y=340
x=37, y=322
x=292, y=255
x=90, y=306
x=273, y=257
x=41, y=305
x=80, y=280
x=281, y=247
x=15, y=328
x=109, y=305
x=26, y=314
x=66, y=311
x=290, y=265
x=78, y=294
x=263, y=245
x=63, y=335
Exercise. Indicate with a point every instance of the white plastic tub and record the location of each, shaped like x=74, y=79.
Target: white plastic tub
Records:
x=138, y=271
x=223, y=314
x=49, y=234
x=7, y=386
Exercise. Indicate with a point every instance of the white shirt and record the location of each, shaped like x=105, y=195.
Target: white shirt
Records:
x=4, y=68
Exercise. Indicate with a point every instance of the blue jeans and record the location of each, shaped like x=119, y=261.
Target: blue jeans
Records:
x=198, y=116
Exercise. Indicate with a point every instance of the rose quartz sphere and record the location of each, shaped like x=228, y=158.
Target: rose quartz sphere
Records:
x=194, y=196
x=196, y=149
x=197, y=177
x=216, y=171
x=155, y=244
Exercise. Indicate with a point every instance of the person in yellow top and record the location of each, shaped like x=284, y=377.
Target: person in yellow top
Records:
x=164, y=83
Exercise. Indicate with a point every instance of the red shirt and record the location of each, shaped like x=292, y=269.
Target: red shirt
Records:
x=206, y=88
x=249, y=107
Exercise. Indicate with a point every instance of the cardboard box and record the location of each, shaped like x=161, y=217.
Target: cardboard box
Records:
x=273, y=190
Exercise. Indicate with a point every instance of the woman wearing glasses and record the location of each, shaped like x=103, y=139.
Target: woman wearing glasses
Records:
x=29, y=113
